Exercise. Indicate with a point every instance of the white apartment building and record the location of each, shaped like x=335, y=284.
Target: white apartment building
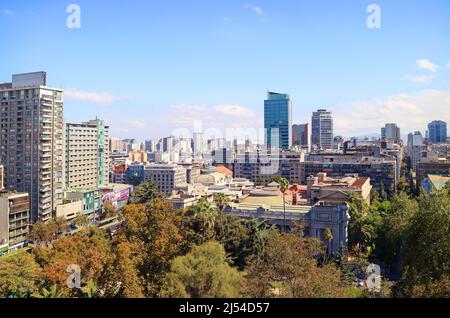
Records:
x=31, y=141
x=86, y=155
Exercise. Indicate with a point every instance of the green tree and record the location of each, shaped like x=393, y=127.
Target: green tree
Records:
x=19, y=275
x=145, y=192
x=202, y=273
x=426, y=261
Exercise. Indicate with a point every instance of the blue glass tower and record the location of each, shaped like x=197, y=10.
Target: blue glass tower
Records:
x=437, y=132
x=278, y=120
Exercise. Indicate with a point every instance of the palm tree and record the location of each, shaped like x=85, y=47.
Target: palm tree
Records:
x=327, y=235
x=284, y=186
x=206, y=214
x=220, y=201
x=53, y=292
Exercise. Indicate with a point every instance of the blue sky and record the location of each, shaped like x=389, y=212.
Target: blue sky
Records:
x=148, y=67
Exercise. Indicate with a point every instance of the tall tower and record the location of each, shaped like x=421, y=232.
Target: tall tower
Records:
x=31, y=141
x=437, y=132
x=322, y=129
x=278, y=120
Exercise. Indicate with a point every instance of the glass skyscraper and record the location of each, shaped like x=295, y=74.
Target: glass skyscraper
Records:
x=437, y=132
x=278, y=120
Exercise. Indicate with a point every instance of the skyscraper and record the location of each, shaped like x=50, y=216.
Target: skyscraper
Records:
x=31, y=141
x=87, y=155
x=322, y=129
x=278, y=120
x=391, y=132
x=437, y=132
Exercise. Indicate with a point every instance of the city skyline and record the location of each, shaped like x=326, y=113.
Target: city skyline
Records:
x=171, y=75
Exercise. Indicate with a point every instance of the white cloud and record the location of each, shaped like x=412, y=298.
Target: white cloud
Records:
x=256, y=9
x=100, y=98
x=234, y=110
x=7, y=12
x=426, y=65
x=136, y=124
x=420, y=78
x=219, y=116
x=410, y=111
x=448, y=64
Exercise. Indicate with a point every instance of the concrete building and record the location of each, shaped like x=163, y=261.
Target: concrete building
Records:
x=139, y=156
x=437, y=132
x=260, y=167
x=150, y=145
x=322, y=129
x=116, y=145
x=31, y=141
x=391, y=132
x=337, y=190
x=87, y=155
x=301, y=136
x=380, y=169
x=434, y=182
x=414, y=148
x=165, y=176
x=439, y=166
x=14, y=219
x=278, y=120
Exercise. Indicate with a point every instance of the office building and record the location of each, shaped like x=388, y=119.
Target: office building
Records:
x=138, y=156
x=391, y=132
x=322, y=129
x=437, y=132
x=86, y=155
x=382, y=169
x=14, y=219
x=278, y=120
x=165, y=176
x=150, y=146
x=301, y=136
x=31, y=141
x=261, y=167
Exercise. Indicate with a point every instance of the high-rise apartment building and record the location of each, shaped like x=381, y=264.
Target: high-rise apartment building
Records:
x=150, y=145
x=14, y=219
x=437, y=132
x=86, y=155
x=322, y=129
x=391, y=132
x=301, y=135
x=31, y=141
x=278, y=120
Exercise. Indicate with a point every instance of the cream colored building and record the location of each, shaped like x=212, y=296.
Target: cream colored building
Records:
x=87, y=155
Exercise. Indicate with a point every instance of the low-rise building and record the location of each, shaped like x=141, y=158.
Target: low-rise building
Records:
x=435, y=182
x=14, y=219
x=268, y=206
x=337, y=190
